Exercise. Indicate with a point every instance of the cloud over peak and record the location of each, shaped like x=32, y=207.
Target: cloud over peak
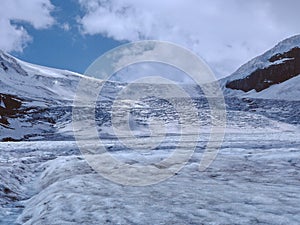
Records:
x=225, y=33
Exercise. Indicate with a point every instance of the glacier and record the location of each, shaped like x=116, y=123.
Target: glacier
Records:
x=45, y=179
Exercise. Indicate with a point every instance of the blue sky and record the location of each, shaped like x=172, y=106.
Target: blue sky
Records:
x=71, y=34
x=64, y=49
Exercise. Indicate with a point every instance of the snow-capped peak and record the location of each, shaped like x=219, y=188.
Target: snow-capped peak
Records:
x=266, y=76
x=27, y=80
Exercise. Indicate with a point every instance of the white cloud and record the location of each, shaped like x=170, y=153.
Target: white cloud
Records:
x=35, y=12
x=66, y=26
x=225, y=33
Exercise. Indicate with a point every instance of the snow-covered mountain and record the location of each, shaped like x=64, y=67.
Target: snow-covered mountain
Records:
x=44, y=179
x=36, y=101
x=36, y=82
x=30, y=96
x=272, y=75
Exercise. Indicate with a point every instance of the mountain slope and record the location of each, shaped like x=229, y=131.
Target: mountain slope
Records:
x=35, y=82
x=34, y=100
x=273, y=75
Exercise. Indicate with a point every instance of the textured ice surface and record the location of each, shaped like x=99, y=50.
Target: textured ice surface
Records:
x=254, y=180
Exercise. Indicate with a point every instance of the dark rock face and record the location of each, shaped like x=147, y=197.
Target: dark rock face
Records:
x=8, y=108
x=274, y=74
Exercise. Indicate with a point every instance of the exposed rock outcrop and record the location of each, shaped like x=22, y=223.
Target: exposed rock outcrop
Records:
x=284, y=66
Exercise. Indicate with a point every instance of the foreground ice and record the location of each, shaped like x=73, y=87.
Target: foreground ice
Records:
x=254, y=180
